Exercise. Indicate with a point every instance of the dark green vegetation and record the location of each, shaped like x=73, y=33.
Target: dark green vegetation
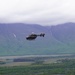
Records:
x=58, y=39
x=62, y=67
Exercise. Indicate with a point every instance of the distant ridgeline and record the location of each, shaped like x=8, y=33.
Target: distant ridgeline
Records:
x=58, y=39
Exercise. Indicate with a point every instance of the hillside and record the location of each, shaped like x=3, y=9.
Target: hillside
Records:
x=58, y=39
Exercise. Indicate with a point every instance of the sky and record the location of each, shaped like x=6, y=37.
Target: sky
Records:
x=43, y=12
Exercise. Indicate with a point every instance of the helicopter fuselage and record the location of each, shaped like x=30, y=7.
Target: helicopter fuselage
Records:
x=31, y=37
x=34, y=36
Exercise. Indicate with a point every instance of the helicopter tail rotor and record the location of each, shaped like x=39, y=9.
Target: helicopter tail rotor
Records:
x=42, y=34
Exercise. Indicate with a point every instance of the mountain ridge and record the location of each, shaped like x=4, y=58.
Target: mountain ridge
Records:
x=58, y=39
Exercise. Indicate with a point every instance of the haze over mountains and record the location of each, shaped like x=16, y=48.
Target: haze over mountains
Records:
x=58, y=39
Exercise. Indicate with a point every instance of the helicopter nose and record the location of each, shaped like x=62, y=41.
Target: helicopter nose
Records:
x=26, y=37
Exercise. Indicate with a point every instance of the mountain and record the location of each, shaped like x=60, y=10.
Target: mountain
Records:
x=58, y=39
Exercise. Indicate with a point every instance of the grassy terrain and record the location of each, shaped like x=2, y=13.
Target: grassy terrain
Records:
x=61, y=67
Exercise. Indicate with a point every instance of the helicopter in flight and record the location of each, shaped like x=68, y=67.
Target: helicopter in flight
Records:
x=33, y=36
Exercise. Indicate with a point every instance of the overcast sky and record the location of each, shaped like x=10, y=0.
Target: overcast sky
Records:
x=44, y=12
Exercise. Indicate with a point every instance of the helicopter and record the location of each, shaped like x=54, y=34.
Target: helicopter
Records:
x=33, y=36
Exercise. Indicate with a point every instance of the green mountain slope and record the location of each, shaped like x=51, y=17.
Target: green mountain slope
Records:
x=58, y=39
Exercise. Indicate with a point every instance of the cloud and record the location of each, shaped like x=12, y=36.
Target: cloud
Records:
x=44, y=12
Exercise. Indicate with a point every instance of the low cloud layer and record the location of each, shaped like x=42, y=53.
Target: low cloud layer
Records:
x=44, y=12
